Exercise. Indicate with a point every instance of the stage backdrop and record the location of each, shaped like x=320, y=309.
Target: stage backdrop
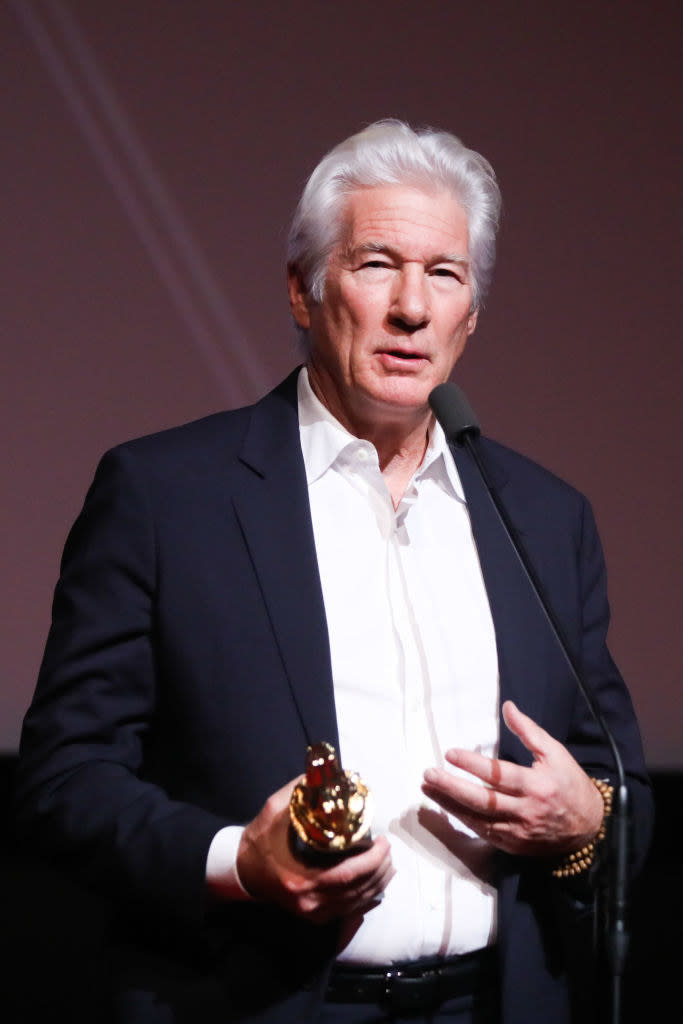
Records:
x=152, y=154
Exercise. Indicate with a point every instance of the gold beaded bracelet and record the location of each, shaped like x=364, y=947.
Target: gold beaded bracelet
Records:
x=580, y=860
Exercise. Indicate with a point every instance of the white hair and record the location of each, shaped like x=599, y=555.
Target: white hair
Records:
x=390, y=152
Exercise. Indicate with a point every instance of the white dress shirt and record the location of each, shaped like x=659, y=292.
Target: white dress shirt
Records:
x=415, y=672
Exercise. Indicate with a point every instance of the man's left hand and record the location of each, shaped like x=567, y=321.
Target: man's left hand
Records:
x=548, y=809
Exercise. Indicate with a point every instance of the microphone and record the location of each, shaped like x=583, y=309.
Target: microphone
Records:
x=454, y=413
x=461, y=427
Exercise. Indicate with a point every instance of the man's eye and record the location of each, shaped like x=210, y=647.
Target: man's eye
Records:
x=446, y=272
x=376, y=264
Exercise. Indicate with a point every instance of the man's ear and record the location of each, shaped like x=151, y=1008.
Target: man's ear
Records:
x=298, y=297
x=472, y=321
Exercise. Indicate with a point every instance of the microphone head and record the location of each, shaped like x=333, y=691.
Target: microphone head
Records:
x=454, y=412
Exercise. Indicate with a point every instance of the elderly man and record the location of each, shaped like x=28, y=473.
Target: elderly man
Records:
x=322, y=566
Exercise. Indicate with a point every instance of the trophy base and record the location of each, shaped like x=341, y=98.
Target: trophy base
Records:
x=320, y=857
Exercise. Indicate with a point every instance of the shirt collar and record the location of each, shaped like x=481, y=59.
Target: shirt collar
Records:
x=324, y=439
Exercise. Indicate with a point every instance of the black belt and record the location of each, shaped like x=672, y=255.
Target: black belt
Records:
x=415, y=985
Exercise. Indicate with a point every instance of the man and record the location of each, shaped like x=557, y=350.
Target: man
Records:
x=322, y=566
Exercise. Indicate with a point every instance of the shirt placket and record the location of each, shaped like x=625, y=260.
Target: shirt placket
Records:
x=419, y=739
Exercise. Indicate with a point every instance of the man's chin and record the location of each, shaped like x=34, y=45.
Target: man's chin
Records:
x=401, y=398
x=405, y=390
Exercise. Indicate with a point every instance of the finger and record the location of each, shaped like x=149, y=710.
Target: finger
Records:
x=460, y=797
x=276, y=806
x=493, y=825
x=361, y=892
x=359, y=869
x=503, y=776
x=534, y=738
x=358, y=895
x=352, y=906
x=457, y=792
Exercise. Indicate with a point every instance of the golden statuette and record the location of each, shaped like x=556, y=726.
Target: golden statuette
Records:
x=330, y=809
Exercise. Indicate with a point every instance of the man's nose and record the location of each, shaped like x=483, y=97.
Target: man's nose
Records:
x=410, y=301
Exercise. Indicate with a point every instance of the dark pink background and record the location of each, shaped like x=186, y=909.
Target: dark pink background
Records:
x=152, y=154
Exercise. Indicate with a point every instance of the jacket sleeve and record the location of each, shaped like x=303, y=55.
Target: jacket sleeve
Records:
x=82, y=795
x=586, y=740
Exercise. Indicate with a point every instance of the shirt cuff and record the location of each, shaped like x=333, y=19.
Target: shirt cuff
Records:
x=222, y=878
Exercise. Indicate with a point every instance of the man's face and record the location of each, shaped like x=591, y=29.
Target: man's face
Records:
x=395, y=315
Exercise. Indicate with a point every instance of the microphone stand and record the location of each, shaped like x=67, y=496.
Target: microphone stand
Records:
x=617, y=939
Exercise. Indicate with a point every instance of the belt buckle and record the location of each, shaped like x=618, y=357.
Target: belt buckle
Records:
x=389, y=978
x=403, y=994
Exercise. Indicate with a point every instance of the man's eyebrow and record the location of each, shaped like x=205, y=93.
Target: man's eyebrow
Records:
x=372, y=247
x=452, y=258
x=383, y=247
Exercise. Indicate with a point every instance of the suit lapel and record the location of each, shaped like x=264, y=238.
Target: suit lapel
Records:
x=522, y=637
x=273, y=510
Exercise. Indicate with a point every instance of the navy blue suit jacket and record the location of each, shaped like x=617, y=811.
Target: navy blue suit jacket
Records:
x=188, y=667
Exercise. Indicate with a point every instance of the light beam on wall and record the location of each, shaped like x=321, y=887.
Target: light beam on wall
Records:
x=156, y=218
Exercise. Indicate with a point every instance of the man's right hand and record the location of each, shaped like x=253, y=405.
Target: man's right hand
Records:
x=270, y=872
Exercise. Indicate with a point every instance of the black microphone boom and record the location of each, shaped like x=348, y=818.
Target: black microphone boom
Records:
x=461, y=427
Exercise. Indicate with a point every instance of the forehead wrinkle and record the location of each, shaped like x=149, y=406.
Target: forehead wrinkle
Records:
x=404, y=219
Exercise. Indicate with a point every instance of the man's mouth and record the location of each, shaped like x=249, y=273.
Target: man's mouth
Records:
x=399, y=353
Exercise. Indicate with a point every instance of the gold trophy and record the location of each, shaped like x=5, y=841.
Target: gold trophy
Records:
x=330, y=809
